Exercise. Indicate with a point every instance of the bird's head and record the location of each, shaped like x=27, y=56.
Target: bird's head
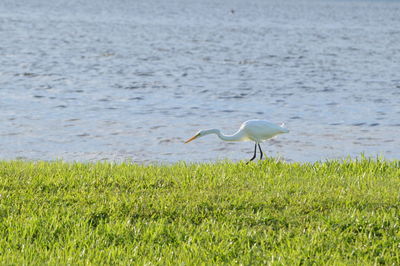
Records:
x=201, y=133
x=198, y=134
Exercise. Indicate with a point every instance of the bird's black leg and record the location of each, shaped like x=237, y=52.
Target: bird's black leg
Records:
x=260, y=151
x=254, y=156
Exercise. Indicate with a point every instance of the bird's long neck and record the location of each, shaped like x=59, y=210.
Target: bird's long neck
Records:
x=238, y=136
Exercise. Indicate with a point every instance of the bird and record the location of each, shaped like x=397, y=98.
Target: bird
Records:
x=251, y=130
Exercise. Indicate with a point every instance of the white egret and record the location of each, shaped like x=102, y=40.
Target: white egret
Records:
x=251, y=130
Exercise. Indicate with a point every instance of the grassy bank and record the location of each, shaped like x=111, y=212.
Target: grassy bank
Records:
x=269, y=212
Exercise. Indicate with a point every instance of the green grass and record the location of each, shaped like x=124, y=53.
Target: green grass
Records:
x=269, y=212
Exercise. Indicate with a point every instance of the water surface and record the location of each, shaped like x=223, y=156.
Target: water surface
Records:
x=131, y=80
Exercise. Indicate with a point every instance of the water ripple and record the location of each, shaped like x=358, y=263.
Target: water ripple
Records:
x=84, y=80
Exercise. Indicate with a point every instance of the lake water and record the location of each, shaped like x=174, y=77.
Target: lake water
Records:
x=131, y=80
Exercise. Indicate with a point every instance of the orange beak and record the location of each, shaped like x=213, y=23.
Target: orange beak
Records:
x=192, y=138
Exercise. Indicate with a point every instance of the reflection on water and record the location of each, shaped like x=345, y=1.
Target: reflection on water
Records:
x=127, y=80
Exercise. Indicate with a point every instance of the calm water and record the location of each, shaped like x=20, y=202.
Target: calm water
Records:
x=130, y=80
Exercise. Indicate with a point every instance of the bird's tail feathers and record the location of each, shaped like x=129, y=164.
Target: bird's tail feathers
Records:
x=285, y=130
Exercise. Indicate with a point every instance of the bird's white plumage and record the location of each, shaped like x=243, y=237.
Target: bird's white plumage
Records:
x=261, y=130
